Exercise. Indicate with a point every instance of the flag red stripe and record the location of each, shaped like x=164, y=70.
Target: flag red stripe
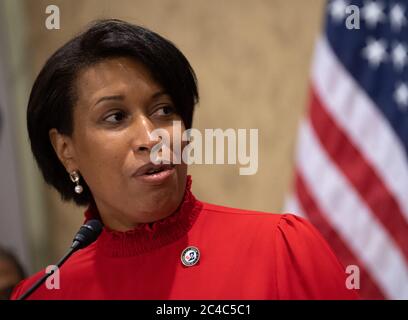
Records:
x=359, y=173
x=368, y=287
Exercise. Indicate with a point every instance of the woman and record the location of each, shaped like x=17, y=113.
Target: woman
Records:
x=90, y=116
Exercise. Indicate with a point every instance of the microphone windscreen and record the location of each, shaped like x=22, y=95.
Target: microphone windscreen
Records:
x=88, y=233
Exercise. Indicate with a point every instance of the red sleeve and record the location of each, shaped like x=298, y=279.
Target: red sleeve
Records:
x=306, y=266
x=24, y=285
x=17, y=291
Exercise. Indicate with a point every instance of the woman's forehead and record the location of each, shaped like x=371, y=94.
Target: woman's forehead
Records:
x=115, y=76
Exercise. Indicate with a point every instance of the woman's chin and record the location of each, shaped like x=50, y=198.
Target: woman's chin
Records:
x=154, y=210
x=159, y=198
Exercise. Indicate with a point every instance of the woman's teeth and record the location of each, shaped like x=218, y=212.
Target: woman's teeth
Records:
x=152, y=171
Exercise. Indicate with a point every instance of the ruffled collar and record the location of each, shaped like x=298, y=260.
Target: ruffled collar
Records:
x=148, y=236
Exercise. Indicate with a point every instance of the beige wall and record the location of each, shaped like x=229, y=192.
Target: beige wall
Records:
x=252, y=61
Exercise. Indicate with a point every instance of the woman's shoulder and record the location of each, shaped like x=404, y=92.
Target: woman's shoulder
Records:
x=225, y=210
x=282, y=221
x=285, y=231
x=272, y=224
x=306, y=265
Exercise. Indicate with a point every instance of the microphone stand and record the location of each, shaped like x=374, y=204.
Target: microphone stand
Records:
x=45, y=277
x=87, y=234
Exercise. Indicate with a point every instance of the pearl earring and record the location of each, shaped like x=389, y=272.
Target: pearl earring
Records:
x=75, y=178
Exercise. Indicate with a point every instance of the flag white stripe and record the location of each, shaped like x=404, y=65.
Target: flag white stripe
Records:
x=293, y=206
x=350, y=217
x=356, y=113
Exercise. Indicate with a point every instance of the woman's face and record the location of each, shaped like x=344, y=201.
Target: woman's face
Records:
x=118, y=106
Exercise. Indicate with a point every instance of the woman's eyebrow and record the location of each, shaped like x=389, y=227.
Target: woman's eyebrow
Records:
x=159, y=94
x=108, y=98
x=120, y=97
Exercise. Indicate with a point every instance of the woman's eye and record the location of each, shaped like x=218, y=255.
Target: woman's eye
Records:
x=165, y=111
x=115, y=117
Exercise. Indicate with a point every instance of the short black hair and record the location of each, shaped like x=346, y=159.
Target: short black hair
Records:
x=53, y=94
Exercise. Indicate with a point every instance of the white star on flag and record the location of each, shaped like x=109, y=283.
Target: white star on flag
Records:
x=337, y=9
x=401, y=95
x=399, y=56
x=375, y=52
x=373, y=13
x=397, y=17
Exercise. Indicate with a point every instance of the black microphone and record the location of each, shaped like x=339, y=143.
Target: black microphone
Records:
x=87, y=234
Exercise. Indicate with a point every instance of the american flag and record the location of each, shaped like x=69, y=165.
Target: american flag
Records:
x=351, y=167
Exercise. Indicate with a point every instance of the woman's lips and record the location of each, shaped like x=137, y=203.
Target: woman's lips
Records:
x=156, y=178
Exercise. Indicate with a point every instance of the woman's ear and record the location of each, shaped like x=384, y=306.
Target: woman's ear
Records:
x=64, y=148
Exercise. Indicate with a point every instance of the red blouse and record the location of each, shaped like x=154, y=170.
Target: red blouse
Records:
x=242, y=255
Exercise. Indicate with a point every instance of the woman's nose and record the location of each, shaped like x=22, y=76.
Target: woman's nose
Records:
x=141, y=135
